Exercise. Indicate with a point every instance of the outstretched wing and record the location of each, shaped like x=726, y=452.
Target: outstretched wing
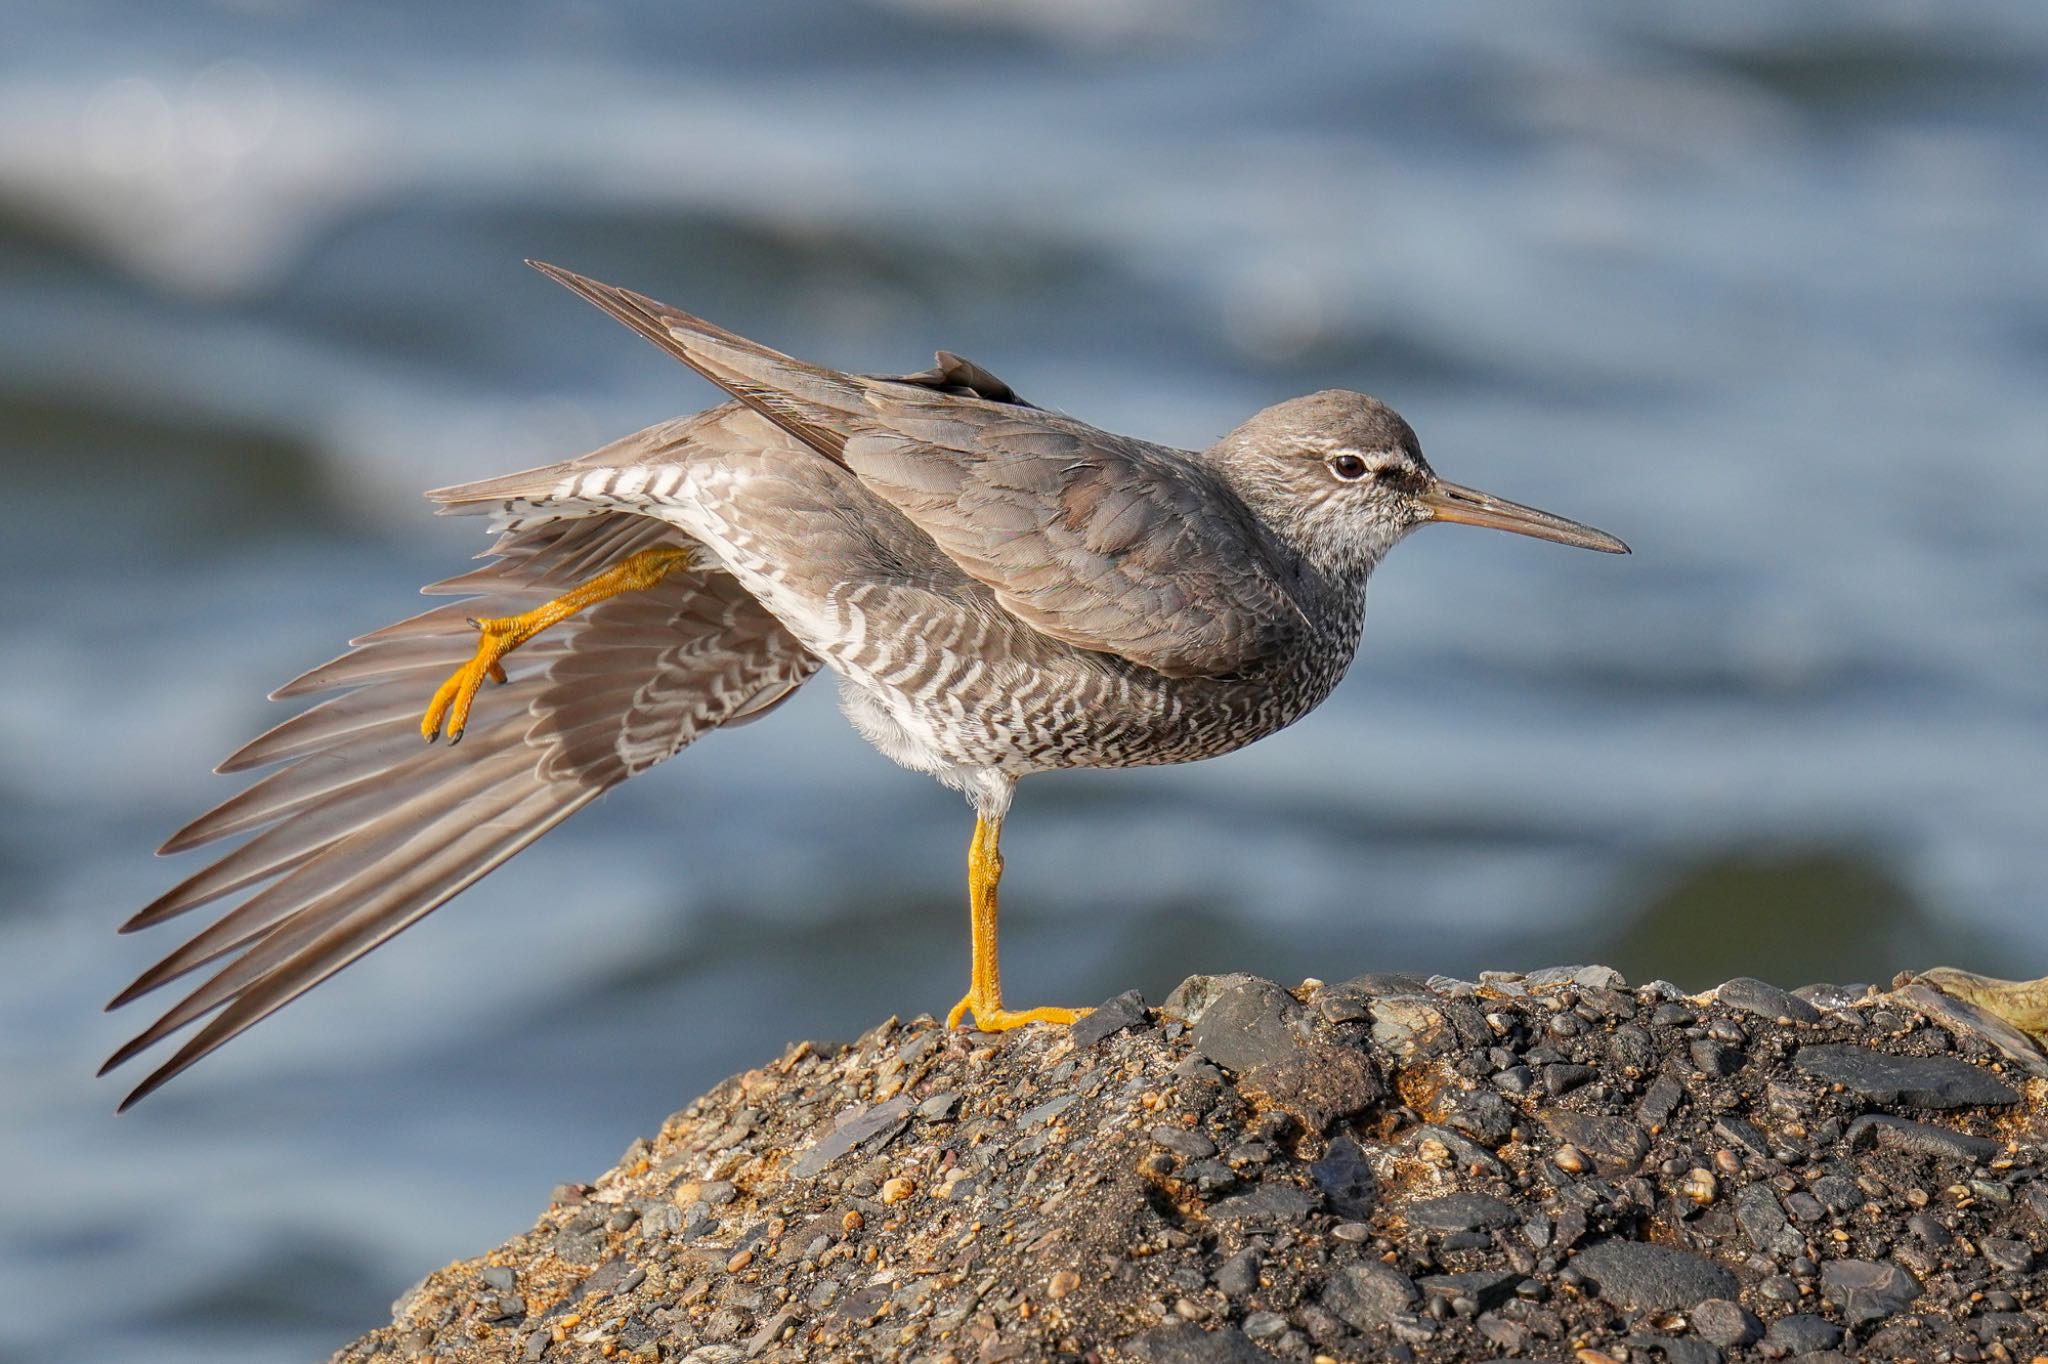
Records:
x=1101, y=541
x=365, y=829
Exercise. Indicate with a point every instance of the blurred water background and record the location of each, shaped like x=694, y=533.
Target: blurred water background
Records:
x=1761, y=288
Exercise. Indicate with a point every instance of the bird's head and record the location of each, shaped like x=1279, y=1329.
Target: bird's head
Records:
x=1341, y=476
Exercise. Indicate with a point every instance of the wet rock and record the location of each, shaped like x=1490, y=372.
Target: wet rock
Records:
x=1726, y=1323
x=1484, y=1289
x=1867, y=1290
x=1350, y=1188
x=1925, y=1139
x=1276, y=1204
x=2007, y=1255
x=1616, y=1144
x=1650, y=1278
x=1461, y=1212
x=1369, y=1294
x=1917, y=1081
x=1251, y=1024
x=1801, y=1334
x=1766, y=1001
x=1113, y=1015
x=1238, y=1277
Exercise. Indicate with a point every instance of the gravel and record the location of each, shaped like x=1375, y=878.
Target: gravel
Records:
x=1541, y=1167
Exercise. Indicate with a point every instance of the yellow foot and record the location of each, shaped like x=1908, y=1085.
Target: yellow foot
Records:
x=998, y=1019
x=452, y=702
x=634, y=573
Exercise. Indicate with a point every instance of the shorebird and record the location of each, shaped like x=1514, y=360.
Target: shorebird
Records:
x=1001, y=590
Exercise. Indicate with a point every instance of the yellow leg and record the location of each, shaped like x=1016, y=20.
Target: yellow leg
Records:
x=984, y=997
x=500, y=637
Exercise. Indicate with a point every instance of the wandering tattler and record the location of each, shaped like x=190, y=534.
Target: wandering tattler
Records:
x=1002, y=590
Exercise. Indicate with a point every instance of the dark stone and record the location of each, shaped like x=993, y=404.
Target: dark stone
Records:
x=1469, y=1154
x=1802, y=1333
x=1250, y=1024
x=1617, y=1145
x=1186, y=1142
x=1460, y=1212
x=1238, y=1276
x=1725, y=1322
x=1113, y=1015
x=1838, y=1194
x=1804, y=1207
x=1711, y=1058
x=1560, y=1080
x=1515, y=1080
x=1651, y=1278
x=1368, y=1294
x=1487, y=1288
x=1918, y=1081
x=1320, y=1083
x=1747, y=1135
x=1659, y=1102
x=1867, y=1290
x=1929, y=1230
x=1278, y=1203
x=1183, y=1342
x=1350, y=1188
x=1481, y=1115
x=1630, y=1048
x=2014, y=1257
x=874, y=1124
x=1766, y=1001
x=1920, y=1138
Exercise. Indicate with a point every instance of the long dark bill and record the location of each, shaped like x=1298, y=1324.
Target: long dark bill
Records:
x=1470, y=507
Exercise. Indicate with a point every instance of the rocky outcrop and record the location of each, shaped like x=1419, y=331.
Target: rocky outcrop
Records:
x=1552, y=1166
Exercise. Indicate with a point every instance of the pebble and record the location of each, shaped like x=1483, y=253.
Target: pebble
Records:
x=1644, y=1277
x=1369, y=1294
x=1800, y=1334
x=1927, y=1139
x=1714, y=1059
x=2011, y=1256
x=1187, y=1143
x=1249, y=1025
x=897, y=1189
x=1350, y=1187
x=1061, y=1284
x=1726, y=1323
x=1867, y=1290
x=1238, y=1276
x=1276, y=1203
x=1112, y=1016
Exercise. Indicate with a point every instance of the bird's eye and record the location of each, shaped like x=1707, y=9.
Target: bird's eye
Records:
x=1349, y=467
